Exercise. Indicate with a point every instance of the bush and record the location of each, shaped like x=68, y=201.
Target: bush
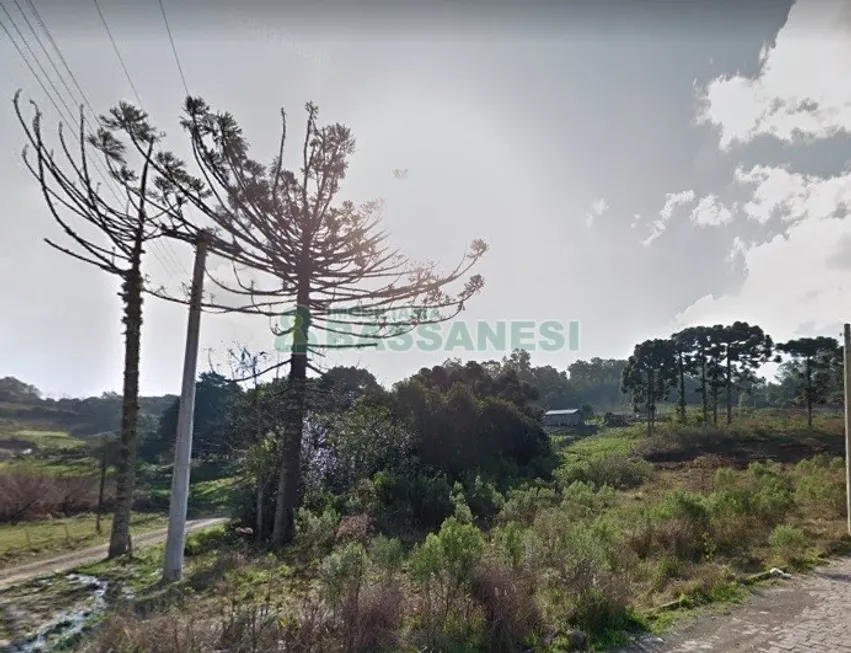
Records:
x=316, y=532
x=745, y=507
x=788, y=543
x=387, y=554
x=416, y=500
x=508, y=600
x=821, y=485
x=522, y=504
x=442, y=566
x=586, y=589
x=679, y=525
x=30, y=493
x=484, y=499
x=582, y=500
x=617, y=471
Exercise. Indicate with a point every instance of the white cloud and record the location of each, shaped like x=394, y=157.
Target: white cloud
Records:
x=598, y=207
x=793, y=196
x=672, y=202
x=710, y=212
x=802, y=88
x=790, y=282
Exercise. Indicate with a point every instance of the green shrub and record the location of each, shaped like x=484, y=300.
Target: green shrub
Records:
x=315, y=532
x=679, y=525
x=743, y=507
x=821, y=485
x=788, y=543
x=508, y=539
x=585, y=588
x=461, y=510
x=343, y=571
x=582, y=500
x=387, y=553
x=209, y=540
x=617, y=471
x=412, y=500
x=442, y=566
x=484, y=499
x=523, y=504
x=452, y=552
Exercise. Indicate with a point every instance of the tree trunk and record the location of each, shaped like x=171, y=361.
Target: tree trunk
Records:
x=131, y=293
x=714, y=397
x=808, y=390
x=289, y=479
x=261, y=484
x=682, y=389
x=102, y=485
x=728, y=388
x=703, y=395
x=651, y=405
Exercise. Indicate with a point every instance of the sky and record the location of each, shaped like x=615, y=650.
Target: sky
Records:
x=636, y=167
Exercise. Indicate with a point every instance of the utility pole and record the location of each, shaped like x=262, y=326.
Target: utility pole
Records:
x=176, y=538
x=846, y=374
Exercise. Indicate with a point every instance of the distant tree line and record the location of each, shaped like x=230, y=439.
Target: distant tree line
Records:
x=721, y=362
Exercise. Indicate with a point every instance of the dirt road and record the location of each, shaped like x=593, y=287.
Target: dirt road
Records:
x=807, y=614
x=23, y=573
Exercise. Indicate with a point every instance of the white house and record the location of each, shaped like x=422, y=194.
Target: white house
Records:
x=570, y=417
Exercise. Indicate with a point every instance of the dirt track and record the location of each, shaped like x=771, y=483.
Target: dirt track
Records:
x=67, y=561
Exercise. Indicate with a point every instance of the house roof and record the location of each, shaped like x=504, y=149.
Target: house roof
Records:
x=570, y=411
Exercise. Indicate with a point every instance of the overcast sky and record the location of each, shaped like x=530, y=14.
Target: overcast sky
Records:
x=637, y=168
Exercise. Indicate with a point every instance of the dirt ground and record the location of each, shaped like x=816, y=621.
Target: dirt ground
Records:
x=22, y=573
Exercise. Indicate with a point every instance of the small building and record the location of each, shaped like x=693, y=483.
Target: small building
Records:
x=562, y=418
x=619, y=419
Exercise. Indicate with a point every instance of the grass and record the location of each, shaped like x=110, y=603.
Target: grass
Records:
x=34, y=541
x=55, y=452
x=610, y=441
x=49, y=439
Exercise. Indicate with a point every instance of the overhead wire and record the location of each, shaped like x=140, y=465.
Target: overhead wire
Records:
x=68, y=113
x=174, y=48
x=166, y=247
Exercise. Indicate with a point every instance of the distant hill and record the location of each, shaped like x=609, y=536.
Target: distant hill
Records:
x=22, y=407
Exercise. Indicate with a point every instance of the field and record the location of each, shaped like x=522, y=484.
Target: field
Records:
x=63, y=471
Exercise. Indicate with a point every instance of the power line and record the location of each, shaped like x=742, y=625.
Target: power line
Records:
x=73, y=77
x=118, y=54
x=43, y=48
x=166, y=248
x=174, y=48
x=68, y=114
x=61, y=56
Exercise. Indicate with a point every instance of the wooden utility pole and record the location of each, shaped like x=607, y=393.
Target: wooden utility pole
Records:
x=175, y=540
x=846, y=374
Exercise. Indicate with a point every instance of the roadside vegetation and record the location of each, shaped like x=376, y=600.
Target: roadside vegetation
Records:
x=608, y=546
x=439, y=515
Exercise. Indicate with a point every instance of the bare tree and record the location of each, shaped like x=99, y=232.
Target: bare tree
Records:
x=120, y=233
x=301, y=251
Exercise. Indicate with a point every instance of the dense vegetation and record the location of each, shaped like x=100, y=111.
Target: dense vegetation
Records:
x=439, y=514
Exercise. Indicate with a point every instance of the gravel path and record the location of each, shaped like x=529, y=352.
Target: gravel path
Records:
x=807, y=614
